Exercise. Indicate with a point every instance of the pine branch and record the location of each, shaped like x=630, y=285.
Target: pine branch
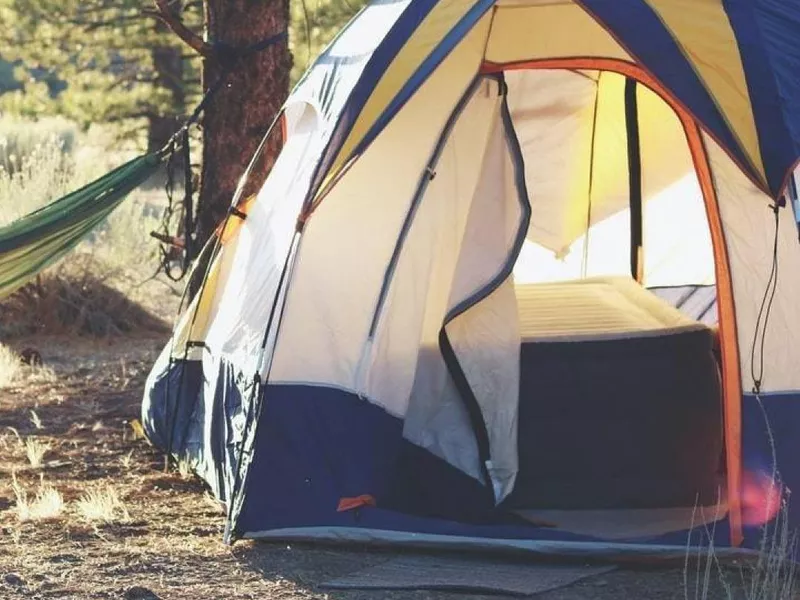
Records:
x=189, y=37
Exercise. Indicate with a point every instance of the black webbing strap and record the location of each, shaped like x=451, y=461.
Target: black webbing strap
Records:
x=188, y=211
x=235, y=212
x=634, y=178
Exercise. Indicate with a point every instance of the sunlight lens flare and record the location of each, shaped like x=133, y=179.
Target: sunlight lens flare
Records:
x=761, y=498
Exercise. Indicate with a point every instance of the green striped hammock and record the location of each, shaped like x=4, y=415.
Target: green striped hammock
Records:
x=37, y=240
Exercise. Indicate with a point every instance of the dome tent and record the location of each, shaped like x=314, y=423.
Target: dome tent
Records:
x=443, y=318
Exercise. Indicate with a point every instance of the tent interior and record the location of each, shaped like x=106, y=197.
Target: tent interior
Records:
x=587, y=187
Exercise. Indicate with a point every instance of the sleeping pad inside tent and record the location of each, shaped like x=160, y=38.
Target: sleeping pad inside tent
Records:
x=504, y=297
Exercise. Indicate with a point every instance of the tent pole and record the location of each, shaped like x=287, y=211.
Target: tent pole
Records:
x=590, y=189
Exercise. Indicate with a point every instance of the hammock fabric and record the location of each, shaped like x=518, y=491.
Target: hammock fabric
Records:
x=39, y=239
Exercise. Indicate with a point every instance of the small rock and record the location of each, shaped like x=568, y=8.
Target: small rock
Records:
x=14, y=580
x=65, y=558
x=138, y=592
x=31, y=357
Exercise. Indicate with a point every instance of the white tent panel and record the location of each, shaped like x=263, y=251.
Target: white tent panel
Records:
x=253, y=259
x=474, y=230
x=486, y=340
x=749, y=228
x=493, y=223
x=420, y=285
x=553, y=112
x=677, y=239
x=350, y=238
x=334, y=74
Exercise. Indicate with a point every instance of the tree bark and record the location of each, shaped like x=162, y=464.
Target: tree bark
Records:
x=168, y=66
x=239, y=115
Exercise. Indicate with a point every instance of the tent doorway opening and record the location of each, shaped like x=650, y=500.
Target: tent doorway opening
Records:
x=585, y=295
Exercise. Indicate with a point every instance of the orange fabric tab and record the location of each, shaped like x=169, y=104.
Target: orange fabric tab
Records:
x=346, y=504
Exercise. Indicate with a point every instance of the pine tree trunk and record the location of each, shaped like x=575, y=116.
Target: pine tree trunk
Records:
x=168, y=67
x=240, y=113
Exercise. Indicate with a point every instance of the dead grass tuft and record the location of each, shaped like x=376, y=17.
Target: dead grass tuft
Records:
x=774, y=575
x=48, y=504
x=102, y=505
x=35, y=451
x=36, y=420
x=10, y=366
x=185, y=468
x=214, y=504
x=127, y=461
x=13, y=372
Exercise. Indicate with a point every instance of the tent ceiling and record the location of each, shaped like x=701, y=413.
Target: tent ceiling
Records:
x=572, y=131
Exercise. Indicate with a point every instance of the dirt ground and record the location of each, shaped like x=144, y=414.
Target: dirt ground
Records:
x=170, y=544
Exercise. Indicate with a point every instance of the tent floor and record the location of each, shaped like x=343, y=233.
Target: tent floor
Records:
x=622, y=524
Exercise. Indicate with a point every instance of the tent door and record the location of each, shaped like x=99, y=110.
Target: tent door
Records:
x=479, y=339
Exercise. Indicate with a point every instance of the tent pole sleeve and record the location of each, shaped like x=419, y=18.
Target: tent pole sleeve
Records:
x=634, y=178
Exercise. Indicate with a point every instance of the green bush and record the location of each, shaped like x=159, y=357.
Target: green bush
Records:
x=8, y=82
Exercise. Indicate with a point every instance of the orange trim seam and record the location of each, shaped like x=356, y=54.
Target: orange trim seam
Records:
x=729, y=347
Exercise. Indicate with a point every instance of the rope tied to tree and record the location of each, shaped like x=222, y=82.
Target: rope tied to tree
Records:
x=228, y=57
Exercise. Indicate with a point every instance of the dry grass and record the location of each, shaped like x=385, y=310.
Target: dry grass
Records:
x=75, y=298
x=20, y=139
x=772, y=576
x=35, y=420
x=10, y=366
x=127, y=461
x=102, y=505
x=13, y=372
x=46, y=505
x=185, y=468
x=35, y=451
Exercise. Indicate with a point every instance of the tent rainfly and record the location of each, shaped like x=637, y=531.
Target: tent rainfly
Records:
x=524, y=275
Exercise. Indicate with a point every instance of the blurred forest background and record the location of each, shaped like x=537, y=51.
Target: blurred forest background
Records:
x=84, y=86
x=114, y=62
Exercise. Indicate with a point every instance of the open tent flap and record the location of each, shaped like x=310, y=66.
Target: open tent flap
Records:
x=454, y=302
x=480, y=335
x=467, y=295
